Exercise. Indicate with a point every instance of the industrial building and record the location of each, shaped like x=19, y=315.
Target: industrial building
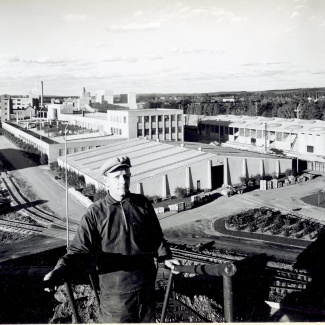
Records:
x=162, y=124
x=158, y=168
x=295, y=136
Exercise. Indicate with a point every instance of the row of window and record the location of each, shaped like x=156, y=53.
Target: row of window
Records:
x=159, y=118
x=118, y=118
x=116, y=131
x=76, y=149
x=158, y=131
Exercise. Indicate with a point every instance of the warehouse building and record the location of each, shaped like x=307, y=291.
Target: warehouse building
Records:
x=158, y=168
x=294, y=136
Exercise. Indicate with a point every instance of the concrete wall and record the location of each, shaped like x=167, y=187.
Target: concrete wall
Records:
x=165, y=184
x=237, y=169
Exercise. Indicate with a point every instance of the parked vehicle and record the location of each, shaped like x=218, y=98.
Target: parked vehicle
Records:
x=229, y=190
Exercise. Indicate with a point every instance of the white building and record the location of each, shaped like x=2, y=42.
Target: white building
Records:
x=290, y=135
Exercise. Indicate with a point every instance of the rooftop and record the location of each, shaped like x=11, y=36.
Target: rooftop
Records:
x=261, y=122
x=149, y=158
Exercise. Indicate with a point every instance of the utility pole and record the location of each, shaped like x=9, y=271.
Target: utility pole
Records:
x=297, y=110
x=66, y=185
x=265, y=136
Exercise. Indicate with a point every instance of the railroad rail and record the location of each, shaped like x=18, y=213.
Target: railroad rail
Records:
x=41, y=216
x=283, y=281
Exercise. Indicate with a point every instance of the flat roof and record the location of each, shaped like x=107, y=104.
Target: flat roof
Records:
x=275, y=124
x=149, y=158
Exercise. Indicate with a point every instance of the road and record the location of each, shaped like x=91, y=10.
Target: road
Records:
x=45, y=187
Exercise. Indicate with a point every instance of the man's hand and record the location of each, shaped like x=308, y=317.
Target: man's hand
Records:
x=54, y=278
x=171, y=264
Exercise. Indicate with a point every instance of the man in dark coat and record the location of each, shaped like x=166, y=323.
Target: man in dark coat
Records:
x=122, y=235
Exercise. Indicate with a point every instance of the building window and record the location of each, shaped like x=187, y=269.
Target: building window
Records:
x=140, y=133
x=83, y=148
x=153, y=131
x=310, y=148
x=159, y=130
x=166, y=130
x=173, y=129
x=153, y=118
x=124, y=119
x=146, y=131
x=166, y=117
x=179, y=129
x=226, y=130
x=173, y=117
x=159, y=118
x=139, y=119
x=179, y=117
x=231, y=131
x=259, y=134
x=146, y=118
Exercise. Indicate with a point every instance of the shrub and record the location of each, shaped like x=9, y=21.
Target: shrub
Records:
x=243, y=179
x=89, y=190
x=180, y=192
x=54, y=166
x=100, y=194
x=288, y=172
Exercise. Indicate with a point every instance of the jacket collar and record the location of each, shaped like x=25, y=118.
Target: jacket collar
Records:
x=111, y=200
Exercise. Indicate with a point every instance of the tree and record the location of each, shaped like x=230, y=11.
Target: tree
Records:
x=101, y=193
x=89, y=190
x=180, y=192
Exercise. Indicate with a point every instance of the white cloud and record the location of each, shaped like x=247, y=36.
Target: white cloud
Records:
x=295, y=14
x=76, y=18
x=135, y=27
x=9, y=58
x=138, y=13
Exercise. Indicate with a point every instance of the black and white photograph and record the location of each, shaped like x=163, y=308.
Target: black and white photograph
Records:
x=162, y=161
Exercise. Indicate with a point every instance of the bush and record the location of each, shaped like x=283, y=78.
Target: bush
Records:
x=243, y=180
x=100, y=194
x=180, y=192
x=288, y=172
x=89, y=190
x=54, y=166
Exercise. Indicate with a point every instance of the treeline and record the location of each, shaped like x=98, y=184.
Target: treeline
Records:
x=308, y=110
x=33, y=153
x=310, y=103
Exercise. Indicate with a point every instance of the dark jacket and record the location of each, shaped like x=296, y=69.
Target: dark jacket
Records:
x=122, y=238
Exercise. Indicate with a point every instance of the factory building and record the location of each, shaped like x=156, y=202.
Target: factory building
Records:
x=294, y=136
x=157, y=168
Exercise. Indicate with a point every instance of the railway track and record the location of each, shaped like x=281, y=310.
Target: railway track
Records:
x=38, y=214
x=283, y=281
x=44, y=221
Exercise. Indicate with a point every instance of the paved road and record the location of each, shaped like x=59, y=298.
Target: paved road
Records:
x=285, y=199
x=45, y=187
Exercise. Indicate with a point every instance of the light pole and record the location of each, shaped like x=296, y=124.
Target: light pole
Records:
x=265, y=136
x=66, y=184
x=297, y=110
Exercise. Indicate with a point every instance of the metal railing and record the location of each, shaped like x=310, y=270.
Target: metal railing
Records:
x=226, y=270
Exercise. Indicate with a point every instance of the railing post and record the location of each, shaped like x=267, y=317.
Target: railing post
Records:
x=228, y=299
x=167, y=294
x=75, y=315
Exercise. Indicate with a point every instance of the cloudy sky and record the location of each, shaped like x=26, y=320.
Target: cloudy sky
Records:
x=161, y=45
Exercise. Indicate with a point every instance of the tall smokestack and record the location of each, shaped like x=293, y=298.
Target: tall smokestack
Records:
x=42, y=95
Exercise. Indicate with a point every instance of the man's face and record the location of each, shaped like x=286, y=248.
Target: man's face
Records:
x=118, y=183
